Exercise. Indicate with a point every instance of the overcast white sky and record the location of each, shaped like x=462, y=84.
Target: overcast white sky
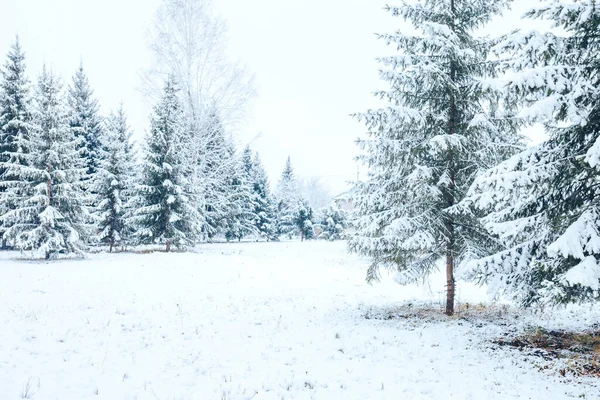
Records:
x=314, y=62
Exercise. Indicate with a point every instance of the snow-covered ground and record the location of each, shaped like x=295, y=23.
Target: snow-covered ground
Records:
x=252, y=321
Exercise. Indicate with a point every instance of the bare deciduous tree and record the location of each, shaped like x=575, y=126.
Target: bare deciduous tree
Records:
x=188, y=40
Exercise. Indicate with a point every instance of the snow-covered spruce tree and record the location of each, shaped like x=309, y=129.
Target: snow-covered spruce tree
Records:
x=287, y=201
x=442, y=127
x=15, y=124
x=187, y=42
x=85, y=121
x=247, y=162
x=333, y=221
x=264, y=206
x=51, y=216
x=227, y=194
x=217, y=163
x=240, y=218
x=162, y=212
x=114, y=181
x=303, y=220
x=544, y=203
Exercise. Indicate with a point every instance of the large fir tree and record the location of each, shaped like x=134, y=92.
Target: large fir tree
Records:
x=85, y=121
x=51, y=216
x=114, y=181
x=544, y=203
x=14, y=104
x=15, y=124
x=442, y=127
x=163, y=211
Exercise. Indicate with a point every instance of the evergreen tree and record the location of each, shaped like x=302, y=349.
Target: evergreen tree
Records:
x=303, y=220
x=332, y=223
x=15, y=124
x=240, y=218
x=162, y=209
x=51, y=216
x=218, y=165
x=227, y=196
x=287, y=200
x=442, y=127
x=247, y=163
x=114, y=180
x=264, y=206
x=544, y=202
x=85, y=121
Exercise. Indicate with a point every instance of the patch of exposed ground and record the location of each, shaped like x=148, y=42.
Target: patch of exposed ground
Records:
x=569, y=353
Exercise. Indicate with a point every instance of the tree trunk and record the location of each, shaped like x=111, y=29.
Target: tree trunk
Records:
x=167, y=222
x=450, y=284
x=49, y=187
x=110, y=247
x=450, y=289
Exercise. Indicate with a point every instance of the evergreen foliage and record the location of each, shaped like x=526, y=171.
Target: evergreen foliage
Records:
x=114, y=181
x=287, y=201
x=51, y=216
x=85, y=121
x=218, y=167
x=442, y=127
x=264, y=206
x=333, y=221
x=163, y=213
x=240, y=219
x=15, y=125
x=544, y=202
x=303, y=220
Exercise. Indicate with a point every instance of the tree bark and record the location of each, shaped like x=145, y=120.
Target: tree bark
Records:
x=49, y=185
x=450, y=289
x=167, y=222
x=450, y=284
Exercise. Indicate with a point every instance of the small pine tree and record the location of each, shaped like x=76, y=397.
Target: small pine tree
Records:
x=332, y=223
x=114, y=180
x=162, y=210
x=85, y=121
x=287, y=200
x=303, y=220
x=51, y=216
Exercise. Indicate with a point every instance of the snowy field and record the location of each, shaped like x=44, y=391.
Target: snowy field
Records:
x=252, y=321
